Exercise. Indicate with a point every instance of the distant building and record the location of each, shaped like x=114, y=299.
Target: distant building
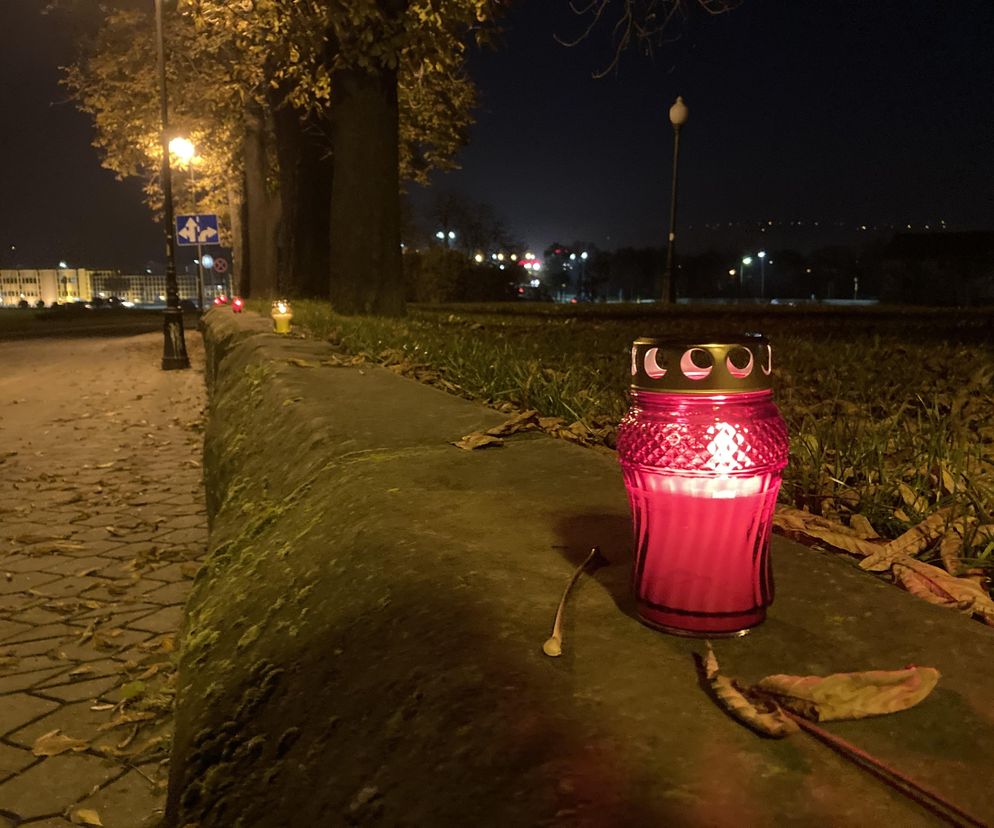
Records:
x=938, y=269
x=67, y=284
x=50, y=286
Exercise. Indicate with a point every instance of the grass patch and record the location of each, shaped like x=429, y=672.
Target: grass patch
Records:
x=890, y=410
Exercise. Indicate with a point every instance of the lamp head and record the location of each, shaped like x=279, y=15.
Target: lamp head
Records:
x=679, y=113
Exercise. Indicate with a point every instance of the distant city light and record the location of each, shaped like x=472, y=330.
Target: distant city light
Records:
x=63, y=264
x=478, y=258
x=452, y=234
x=572, y=257
x=440, y=235
x=583, y=255
x=514, y=257
x=500, y=257
x=747, y=260
x=761, y=254
x=535, y=283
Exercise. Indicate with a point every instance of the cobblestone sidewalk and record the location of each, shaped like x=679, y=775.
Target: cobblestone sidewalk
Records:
x=102, y=526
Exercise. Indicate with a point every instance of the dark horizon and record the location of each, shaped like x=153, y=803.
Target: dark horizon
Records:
x=866, y=114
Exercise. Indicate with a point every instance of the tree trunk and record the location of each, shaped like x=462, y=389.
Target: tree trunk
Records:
x=305, y=195
x=365, y=266
x=262, y=209
x=237, y=280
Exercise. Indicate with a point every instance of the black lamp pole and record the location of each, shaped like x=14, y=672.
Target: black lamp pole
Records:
x=678, y=117
x=174, y=345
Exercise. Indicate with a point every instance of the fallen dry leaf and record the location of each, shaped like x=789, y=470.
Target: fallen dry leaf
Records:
x=85, y=816
x=766, y=722
x=951, y=545
x=863, y=528
x=909, y=544
x=939, y=587
x=523, y=421
x=850, y=695
x=55, y=742
x=126, y=719
x=478, y=440
x=303, y=363
x=814, y=527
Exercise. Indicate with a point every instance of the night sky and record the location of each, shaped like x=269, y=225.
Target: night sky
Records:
x=865, y=113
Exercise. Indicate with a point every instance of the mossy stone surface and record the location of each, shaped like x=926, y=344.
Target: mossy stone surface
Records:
x=364, y=645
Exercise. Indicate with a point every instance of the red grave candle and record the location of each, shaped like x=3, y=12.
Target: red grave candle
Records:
x=702, y=450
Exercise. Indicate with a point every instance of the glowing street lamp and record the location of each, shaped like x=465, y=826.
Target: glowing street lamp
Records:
x=702, y=450
x=186, y=154
x=762, y=274
x=174, y=354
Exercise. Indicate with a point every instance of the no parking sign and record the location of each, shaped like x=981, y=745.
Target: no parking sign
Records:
x=220, y=265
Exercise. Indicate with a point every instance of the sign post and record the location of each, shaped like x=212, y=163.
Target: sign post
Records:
x=197, y=230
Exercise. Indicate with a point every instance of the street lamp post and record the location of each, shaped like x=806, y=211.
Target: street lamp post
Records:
x=184, y=150
x=746, y=260
x=762, y=274
x=678, y=117
x=174, y=343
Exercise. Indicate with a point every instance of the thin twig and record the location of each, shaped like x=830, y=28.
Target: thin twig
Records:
x=553, y=645
x=926, y=797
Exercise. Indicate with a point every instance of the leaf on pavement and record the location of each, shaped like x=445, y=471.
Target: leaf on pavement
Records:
x=303, y=363
x=478, y=440
x=522, y=421
x=798, y=522
x=939, y=587
x=770, y=722
x=85, y=816
x=909, y=544
x=55, y=742
x=850, y=695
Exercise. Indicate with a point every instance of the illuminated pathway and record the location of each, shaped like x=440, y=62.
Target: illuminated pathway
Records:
x=102, y=526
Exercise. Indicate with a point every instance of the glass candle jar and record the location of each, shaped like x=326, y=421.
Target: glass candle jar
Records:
x=702, y=450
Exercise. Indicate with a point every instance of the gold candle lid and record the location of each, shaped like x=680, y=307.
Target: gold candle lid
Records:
x=725, y=365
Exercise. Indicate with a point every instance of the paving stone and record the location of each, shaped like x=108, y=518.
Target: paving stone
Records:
x=165, y=620
x=51, y=786
x=25, y=681
x=70, y=586
x=19, y=709
x=190, y=521
x=169, y=594
x=74, y=566
x=127, y=802
x=14, y=760
x=116, y=611
x=28, y=664
x=172, y=573
x=83, y=690
x=184, y=536
x=35, y=563
x=46, y=631
x=10, y=628
x=82, y=672
x=38, y=616
x=30, y=648
x=23, y=581
x=75, y=719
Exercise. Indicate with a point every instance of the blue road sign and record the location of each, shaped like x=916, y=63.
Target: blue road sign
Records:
x=196, y=229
